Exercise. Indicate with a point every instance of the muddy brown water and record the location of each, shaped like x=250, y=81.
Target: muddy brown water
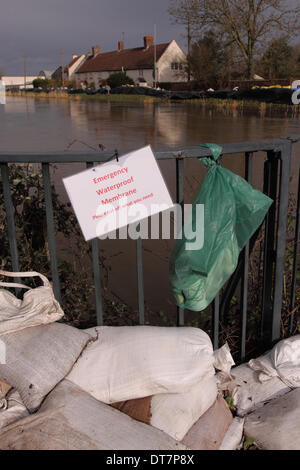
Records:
x=51, y=125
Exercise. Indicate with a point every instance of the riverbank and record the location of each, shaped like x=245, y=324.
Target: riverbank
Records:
x=58, y=95
x=226, y=106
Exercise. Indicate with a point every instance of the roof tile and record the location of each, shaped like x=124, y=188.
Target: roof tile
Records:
x=129, y=59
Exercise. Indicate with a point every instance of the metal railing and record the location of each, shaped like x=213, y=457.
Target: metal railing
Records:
x=277, y=168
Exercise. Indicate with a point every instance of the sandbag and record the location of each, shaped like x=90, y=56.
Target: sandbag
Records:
x=125, y=363
x=209, y=431
x=173, y=413
x=282, y=361
x=276, y=425
x=233, y=211
x=4, y=389
x=234, y=435
x=249, y=393
x=11, y=409
x=38, y=358
x=70, y=419
x=38, y=306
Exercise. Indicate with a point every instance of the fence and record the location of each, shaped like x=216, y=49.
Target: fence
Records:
x=277, y=168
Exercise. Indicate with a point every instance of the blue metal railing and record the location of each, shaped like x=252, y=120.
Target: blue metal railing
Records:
x=277, y=168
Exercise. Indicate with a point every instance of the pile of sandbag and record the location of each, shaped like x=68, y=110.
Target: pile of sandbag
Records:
x=160, y=377
x=163, y=379
x=266, y=393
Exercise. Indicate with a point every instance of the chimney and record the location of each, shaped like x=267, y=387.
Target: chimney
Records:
x=74, y=56
x=121, y=46
x=148, y=41
x=96, y=50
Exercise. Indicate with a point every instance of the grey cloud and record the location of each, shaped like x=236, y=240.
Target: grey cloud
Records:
x=42, y=28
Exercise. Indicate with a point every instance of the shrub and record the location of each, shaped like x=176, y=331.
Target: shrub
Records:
x=43, y=83
x=118, y=79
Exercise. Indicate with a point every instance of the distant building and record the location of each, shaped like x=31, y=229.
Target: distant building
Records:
x=138, y=63
x=46, y=74
x=70, y=69
x=18, y=83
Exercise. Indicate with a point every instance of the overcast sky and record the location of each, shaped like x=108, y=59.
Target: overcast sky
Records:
x=42, y=28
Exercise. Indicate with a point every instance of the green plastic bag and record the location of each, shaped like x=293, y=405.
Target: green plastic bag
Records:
x=233, y=211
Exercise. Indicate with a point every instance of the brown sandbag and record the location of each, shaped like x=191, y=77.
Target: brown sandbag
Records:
x=209, y=431
x=139, y=409
x=4, y=389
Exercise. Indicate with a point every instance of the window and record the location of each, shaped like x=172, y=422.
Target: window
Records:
x=174, y=65
x=141, y=73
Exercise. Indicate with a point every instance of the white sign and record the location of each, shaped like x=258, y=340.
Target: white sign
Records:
x=116, y=194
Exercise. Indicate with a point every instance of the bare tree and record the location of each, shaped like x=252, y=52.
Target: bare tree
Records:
x=186, y=13
x=248, y=24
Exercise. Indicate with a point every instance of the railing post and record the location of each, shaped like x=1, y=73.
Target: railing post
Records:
x=216, y=321
x=270, y=188
x=296, y=260
x=51, y=230
x=11, y=227
x=97, y=274
x=140, y=278
x=244, y=281
x=180, y=200
x=285, y=169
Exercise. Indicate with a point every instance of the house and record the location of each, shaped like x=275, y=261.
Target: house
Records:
x=70, y=69
x=138, y=63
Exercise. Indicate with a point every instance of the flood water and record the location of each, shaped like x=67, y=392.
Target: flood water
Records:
x=52, y=125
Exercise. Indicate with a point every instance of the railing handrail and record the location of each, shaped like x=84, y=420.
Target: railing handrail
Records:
x=195, y=151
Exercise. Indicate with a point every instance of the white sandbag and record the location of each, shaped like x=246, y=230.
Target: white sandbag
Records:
x=234, y=435
x=38, y=306
x=249, y=393
x=70, y=419
x=282, y=361
x=11, y=409
x=38, y=358
x=176, y=413
x=276, y=426
x=138, y=361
